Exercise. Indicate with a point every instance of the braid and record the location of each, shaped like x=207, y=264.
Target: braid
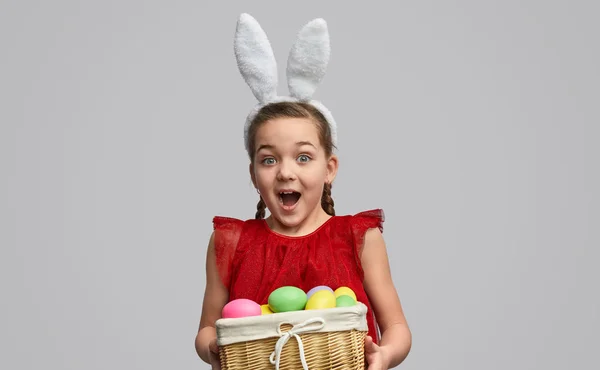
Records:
x=260, y=209
x=327, y=201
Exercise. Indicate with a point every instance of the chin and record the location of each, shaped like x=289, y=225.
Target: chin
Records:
x=289, y=220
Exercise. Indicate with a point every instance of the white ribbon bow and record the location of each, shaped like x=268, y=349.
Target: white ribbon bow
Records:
x=293, y=332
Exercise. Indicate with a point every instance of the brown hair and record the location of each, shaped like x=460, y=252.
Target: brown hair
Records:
x=293, y=110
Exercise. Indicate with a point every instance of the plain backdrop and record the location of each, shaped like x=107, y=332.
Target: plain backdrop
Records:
x=473, y=124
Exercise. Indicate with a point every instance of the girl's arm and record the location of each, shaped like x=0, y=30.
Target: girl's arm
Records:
x=396, y=338
x=215, y=297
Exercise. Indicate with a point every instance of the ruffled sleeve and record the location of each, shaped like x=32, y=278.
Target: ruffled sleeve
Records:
x=226, y=236
x=360, y=223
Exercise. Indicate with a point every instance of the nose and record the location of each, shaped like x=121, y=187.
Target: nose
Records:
x=286, y=171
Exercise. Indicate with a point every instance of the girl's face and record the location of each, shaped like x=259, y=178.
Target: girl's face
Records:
x=289, y=170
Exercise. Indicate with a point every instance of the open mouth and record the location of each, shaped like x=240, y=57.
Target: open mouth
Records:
x=289, y=198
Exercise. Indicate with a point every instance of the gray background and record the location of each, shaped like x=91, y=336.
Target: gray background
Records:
x=473, y=124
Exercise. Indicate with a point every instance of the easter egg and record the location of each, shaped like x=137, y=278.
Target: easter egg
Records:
x=241, y=308
x=344, y=301
x=316, y=289
x=265, y=309
x=344, y=290
x=321, y=299
x=287, y=298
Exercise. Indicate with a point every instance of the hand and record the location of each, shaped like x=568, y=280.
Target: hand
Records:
x=213, y=355
x=373, y=355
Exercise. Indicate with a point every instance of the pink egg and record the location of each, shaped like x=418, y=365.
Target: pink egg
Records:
x=241, y=308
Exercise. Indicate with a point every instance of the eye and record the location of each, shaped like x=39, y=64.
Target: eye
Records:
x=268, y=161
x=303, y=158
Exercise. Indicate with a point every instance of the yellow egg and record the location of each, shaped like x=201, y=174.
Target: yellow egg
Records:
x=265, y=309
x=344, y=290
x=321, y=299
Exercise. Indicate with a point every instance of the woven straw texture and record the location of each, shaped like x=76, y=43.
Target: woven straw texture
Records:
x=326, y=350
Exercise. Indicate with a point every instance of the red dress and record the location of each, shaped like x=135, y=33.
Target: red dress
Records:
x=253, y=260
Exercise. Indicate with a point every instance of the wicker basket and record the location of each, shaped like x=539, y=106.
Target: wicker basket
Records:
x=311, y=340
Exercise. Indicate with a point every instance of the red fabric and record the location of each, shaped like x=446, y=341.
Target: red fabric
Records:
x=253, y=260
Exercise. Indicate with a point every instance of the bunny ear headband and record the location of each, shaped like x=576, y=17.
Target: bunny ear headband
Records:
x=306, y=65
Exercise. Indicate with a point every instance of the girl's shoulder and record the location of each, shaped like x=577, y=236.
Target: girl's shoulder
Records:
x=230, y=228
x=227, y=233
x=227, y=223
x=220, y=221
x=356, y=227
x=364, y=220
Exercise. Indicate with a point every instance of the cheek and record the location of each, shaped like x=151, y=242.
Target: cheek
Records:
x=317, y=178
x=263, y=176
x=323, y=175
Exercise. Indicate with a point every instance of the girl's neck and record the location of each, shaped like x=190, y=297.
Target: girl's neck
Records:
x=308, y=226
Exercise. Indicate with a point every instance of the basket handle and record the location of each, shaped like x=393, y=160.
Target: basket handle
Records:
x=304, y=327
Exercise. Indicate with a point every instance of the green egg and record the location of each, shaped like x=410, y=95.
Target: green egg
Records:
x=344, y=301
x=287, y=298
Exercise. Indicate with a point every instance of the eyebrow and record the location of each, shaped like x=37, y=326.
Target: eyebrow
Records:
x=264, y=146
x=301, y=143
x=298, y=143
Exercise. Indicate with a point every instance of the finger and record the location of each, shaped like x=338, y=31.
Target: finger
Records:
x=215, y=365
x=370, y=345
x=212, y=346
x=215, y=362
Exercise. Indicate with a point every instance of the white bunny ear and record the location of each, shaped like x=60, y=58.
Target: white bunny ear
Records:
x=308, y=59
x=255, y=58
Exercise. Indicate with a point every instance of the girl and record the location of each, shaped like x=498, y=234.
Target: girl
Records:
x=303, y=243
